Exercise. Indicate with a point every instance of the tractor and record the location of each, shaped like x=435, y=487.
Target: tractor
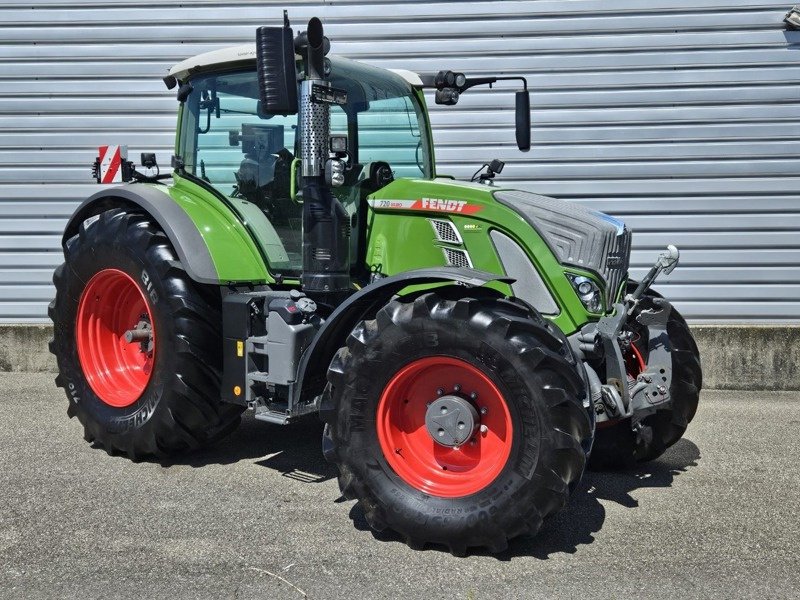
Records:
x=470, y=348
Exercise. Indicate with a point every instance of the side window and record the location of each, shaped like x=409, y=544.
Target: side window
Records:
x=338, y=120
x=245, y=154
x=239, y=149
x=388, y=131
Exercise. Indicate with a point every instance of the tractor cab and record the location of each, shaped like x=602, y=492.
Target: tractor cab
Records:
x=228, y=139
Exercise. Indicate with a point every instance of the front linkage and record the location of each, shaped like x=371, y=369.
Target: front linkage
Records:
x=626, y=395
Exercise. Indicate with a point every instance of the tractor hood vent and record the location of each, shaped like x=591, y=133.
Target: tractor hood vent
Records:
x=578, y=236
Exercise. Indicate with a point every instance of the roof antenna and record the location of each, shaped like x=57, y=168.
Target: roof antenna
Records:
x=286, y=18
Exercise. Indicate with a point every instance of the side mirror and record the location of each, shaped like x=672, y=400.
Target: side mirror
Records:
x=277, y=80
x=523, y=118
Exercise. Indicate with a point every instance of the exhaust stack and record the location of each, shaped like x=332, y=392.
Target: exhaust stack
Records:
x=326, y=225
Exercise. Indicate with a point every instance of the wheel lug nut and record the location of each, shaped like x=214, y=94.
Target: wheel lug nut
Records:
x=484, y=410
x=484, y=429
x=440, y=392
x=457, y=388
x=474, y=396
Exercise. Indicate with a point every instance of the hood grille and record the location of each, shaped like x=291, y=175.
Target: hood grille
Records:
x=457, y=258
x=617, y=263
x=446, y=232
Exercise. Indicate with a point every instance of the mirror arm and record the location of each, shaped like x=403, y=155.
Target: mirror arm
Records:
x=473, y=81
x=428, y=82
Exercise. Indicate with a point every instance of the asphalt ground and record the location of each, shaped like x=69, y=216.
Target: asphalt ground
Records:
x=260, y=516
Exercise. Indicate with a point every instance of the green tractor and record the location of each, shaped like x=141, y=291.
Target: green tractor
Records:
x=470, y=348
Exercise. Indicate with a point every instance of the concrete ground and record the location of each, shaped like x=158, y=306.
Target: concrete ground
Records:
x=260, y=516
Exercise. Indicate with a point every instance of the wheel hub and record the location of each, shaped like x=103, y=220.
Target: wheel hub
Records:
x=451, y=420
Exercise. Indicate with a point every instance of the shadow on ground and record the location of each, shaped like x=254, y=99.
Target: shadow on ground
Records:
x=294, y=450
x=584, y=516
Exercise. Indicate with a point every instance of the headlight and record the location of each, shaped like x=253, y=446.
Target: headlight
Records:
x=588, y=292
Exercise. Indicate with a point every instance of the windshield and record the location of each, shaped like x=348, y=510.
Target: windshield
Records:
x=226, y=140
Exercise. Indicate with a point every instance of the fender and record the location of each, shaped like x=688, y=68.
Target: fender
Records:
x=364, y=304
x=193, y=227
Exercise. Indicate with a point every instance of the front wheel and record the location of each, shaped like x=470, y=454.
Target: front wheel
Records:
x=137, y=341
x=457, y=421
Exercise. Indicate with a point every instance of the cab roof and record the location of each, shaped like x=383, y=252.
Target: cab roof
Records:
x=245, y=55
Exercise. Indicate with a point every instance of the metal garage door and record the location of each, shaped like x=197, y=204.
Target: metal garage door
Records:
x=681, y=116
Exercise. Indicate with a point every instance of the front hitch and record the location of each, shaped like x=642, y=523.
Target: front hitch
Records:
x=653, y=384
x=620, y=396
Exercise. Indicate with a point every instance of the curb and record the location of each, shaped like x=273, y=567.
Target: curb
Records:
x=749, y=357
x=735, y=357
x=24, y=348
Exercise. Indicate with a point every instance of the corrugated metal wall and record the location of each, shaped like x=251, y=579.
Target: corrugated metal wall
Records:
x=680, y=116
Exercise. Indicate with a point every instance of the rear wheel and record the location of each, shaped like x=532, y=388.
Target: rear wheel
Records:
x=623, y=443
x=137, y=341
x=456, y=421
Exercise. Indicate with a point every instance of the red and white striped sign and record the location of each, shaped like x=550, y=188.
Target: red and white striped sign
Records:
x=110, y=163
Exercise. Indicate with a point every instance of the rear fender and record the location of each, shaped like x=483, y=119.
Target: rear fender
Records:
x=193, y=230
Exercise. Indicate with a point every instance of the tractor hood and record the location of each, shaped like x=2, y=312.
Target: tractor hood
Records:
x=567, y=235
x=578, y=236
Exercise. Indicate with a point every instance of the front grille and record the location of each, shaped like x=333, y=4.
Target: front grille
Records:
x=617, y=263
x=457, y=258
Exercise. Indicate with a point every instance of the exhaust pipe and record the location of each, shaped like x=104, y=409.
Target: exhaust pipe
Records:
x=326, y=225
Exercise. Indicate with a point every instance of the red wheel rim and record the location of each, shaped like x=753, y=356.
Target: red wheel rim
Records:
x=411, y=451
x=117, y=371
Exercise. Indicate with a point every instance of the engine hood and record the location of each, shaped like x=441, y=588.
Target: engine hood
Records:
x=578, y=236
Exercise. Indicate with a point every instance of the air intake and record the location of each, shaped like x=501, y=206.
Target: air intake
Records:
x=457, y=258
x=446, y=232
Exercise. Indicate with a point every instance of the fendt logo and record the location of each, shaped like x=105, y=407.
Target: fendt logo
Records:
x=443, y=205
x=451, y=206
